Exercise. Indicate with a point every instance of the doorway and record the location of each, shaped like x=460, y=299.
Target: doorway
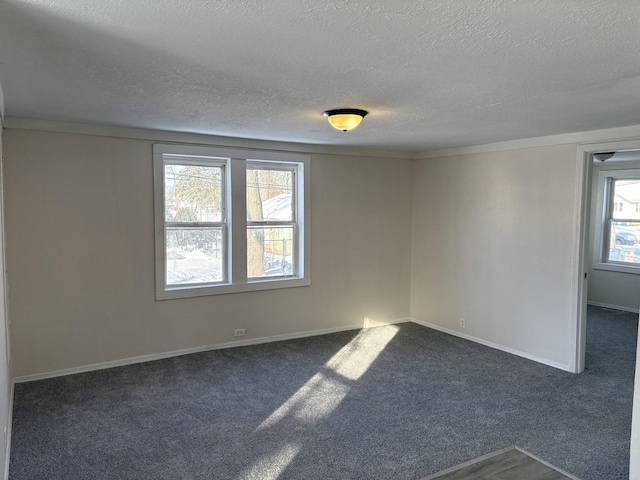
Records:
x=605, y=246
x=604, y=250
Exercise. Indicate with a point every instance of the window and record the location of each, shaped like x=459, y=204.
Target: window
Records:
x=229, y=220
x=271, y=220
x=194, y=221
x=618, y=228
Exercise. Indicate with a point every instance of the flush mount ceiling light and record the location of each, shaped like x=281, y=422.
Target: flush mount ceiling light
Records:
x=345, y=119
x=604, y=156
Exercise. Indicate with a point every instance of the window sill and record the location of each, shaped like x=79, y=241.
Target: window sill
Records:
x=253, y=286
x=613, y=267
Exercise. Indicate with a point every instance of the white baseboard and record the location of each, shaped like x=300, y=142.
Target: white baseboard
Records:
x=277, y=338
x=497, y=346
x=613, y=307
x=187, y=351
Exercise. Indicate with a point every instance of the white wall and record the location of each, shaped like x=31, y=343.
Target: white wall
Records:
x=487, y=236
x=80, y=252
x=493, y=242
x=5, y=366
x=610, y=288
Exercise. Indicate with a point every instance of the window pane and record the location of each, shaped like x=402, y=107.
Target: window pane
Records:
x=623, y=242
x=269, y=195
x=270, y=252
x=626, y=199
x=194, y=255
x=193, y=193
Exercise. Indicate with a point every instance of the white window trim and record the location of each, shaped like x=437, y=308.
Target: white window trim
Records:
x=235, y=192
x=601, y=245
x=296, y=213
x=223, y=223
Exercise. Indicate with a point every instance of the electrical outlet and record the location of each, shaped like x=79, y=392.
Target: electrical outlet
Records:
x=463, y=322
x=238, y=332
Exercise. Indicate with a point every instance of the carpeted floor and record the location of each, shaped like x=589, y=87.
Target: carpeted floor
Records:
x=398, y=402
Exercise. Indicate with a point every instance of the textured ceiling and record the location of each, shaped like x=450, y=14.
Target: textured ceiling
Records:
x=433, y=74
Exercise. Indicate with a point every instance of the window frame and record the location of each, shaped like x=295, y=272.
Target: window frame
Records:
x=235, y=218
x=223, y=223
x=285, y=167
x=604, y=218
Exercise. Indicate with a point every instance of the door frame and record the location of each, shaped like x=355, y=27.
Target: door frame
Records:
x=582, y=250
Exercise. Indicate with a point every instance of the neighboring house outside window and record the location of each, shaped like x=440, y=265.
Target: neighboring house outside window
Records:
x=229, y=220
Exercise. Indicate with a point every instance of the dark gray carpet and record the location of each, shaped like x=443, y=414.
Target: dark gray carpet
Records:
x=427, y=402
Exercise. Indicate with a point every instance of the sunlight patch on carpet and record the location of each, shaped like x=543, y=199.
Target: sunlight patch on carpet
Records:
x=322, y=394
x=271, y=466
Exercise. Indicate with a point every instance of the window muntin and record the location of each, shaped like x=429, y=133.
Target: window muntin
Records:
x=206, y=234
x=271, y=220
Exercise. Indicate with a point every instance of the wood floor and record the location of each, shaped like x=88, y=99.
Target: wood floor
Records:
x=509, y=464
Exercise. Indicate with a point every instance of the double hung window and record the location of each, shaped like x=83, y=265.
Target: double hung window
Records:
x=271, y=220
x=618, y=222
x=229, y=220
x=194, y=221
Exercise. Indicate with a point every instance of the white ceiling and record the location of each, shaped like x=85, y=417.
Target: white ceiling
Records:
x=433, y=74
